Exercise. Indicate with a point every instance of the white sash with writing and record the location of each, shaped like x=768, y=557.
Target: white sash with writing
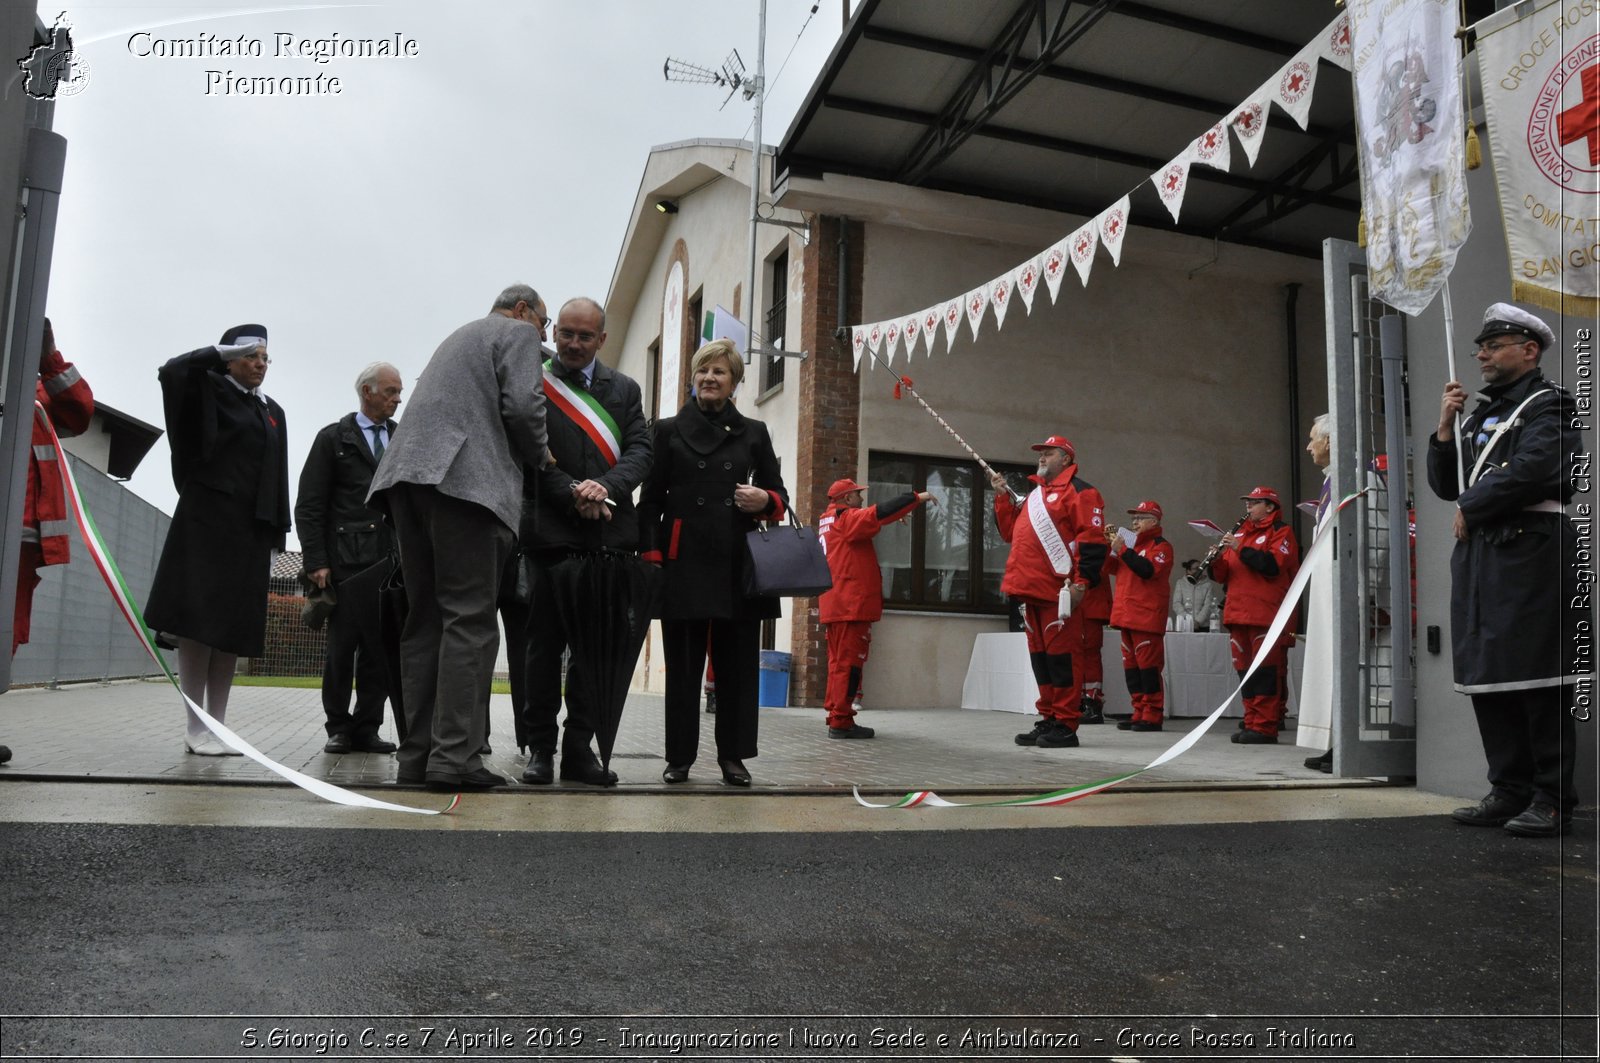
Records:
x=1055, y=548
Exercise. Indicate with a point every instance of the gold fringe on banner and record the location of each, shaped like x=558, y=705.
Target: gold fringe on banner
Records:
x=1361, y=229
x=1474, y=149
x=1559, y=302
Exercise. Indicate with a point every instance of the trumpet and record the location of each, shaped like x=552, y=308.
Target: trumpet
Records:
x=1204, y=568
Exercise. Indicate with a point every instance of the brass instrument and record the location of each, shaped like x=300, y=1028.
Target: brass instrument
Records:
x=1204, y=568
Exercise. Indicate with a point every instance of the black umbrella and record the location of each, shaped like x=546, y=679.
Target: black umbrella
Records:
x=605, y=600
x=387, y=583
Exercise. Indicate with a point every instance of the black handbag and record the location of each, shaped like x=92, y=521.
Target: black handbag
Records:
x=785, y=561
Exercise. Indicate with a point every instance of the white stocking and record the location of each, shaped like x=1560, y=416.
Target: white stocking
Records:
x=205, y=675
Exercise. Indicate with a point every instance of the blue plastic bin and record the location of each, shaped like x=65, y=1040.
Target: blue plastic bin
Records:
x=774, y=692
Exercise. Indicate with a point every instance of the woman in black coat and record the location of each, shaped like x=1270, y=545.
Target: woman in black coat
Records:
x=714, y=477
x=230, y=465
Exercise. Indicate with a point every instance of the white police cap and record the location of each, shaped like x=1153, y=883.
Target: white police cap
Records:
x=1502, y=319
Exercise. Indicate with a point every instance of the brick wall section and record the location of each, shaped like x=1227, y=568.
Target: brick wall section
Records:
x=830, y=420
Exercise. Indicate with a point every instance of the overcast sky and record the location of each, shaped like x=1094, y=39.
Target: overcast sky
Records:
x=369, y=223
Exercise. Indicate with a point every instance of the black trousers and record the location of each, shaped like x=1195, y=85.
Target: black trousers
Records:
x=355, y=654
x=546, y=641
x=1531, y=744
x=736, y=657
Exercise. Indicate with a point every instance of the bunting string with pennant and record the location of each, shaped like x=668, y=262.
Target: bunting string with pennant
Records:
x=112, y=575
x=1291, y=88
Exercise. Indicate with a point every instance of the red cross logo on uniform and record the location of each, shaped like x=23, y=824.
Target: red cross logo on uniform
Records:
x=1582, y=121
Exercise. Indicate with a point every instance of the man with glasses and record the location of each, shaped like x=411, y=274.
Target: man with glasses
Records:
x=1143, y=569
x=1256, y=565
x=581, y=502
x=1515, y=609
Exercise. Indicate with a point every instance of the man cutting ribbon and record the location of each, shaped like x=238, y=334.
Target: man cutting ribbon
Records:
x=1056, y=556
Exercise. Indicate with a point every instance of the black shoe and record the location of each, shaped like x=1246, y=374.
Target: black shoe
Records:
x=1124, y=725
x=1321, y=762
x=478, y=779
x=373, y=744
x=711, y=702
x=541, y=769
x=5, y=754
x=1093, y=712
x=855, y=730
x=583, y=766
x=675, y=773
x=1059, y=736
x=1539, y=820
x=1493, y=811
x=339, y=743
x=1248, y=737
x=1146, y=727
x=733, y=772
x=1040, y=726
x=410, y=778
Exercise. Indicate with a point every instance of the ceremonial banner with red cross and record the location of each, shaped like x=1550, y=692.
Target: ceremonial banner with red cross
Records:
x=1541, y=95
x=1407, y=69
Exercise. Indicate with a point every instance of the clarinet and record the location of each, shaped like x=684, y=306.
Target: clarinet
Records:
x=1204, y=568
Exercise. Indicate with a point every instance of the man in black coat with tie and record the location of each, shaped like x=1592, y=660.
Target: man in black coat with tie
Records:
x=594, y=416
x=339, y=537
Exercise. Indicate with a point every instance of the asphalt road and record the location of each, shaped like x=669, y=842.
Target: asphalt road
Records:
x=1383, y=937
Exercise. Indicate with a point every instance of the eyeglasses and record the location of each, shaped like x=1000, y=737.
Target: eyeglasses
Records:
x=254, y=357
x=566, y=335
x=1490, y=348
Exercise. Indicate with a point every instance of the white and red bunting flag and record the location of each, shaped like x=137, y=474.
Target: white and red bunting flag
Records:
x=976, y=302
x=930, y=327
x=911, y=330
x=1172, y=181
x=1249, y=122
x=875, y=337
x=1028, y=275
x=858, y=344
x=1336, y=42
x=1211, y=147
x=1412, y=152
x=1297, y=83
x=1054, y=265
x=952, y=324
x=891, y=340
x=1112, y=224
x=1000, y=290
x=1081, y=245
x=1541, y=95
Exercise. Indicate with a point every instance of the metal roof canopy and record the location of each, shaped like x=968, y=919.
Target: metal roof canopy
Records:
x=1068, y=105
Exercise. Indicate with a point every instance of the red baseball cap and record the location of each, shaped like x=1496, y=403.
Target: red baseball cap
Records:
x=1058, y=443
x=839, y=488
x=1147, y=509
x=1263, y=494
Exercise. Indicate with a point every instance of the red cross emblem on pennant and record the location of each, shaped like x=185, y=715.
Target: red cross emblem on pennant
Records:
x=892, y=335
x=1084, y=245
x=930, y=322
x=1114, y=225
x=877, y=335
x=952, y=314
x=1172, y=183
x=1000, y=293
x=861, y=340
x=1052, y=264
x=976, y=306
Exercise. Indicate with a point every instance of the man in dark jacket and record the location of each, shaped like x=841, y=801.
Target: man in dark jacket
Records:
x=339, y=537
x=1515, y=606
x=594, y=416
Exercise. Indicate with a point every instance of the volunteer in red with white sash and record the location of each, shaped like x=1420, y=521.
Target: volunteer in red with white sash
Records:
x=1057, y=550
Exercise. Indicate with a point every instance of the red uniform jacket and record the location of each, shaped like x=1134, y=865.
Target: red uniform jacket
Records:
x=847, y=533
x=1258, y=572
x=1144, y=587
x=69, y=404
x=1078, y=512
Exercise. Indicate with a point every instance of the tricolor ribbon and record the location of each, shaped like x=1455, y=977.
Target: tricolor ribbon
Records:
x=1319, y=549
x=120, y=594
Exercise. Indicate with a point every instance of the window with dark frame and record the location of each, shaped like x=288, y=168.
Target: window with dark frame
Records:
x=775, y=324
x=947, y=557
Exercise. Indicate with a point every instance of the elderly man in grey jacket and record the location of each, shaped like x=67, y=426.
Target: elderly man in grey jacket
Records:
x=451, y=482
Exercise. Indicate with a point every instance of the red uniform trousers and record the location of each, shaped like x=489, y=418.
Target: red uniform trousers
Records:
x=1052, y=643
x=29, y=561
x=1144, y=654
x=848, y=644
x=1266, y=694
x=1086, y=664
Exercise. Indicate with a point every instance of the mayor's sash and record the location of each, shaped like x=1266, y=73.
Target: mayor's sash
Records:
x=585, y=411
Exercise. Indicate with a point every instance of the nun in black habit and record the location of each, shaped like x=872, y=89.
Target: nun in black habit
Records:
x=230, y=465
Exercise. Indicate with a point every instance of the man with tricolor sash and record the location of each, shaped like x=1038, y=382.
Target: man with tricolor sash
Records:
x=584, y=501
x=1057, y=549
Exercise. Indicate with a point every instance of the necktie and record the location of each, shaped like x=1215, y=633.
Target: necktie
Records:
x=377, y=441
x=580, y=382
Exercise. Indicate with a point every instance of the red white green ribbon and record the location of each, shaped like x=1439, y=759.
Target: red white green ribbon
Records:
x=135, y=618
x=1320, y=546
x=585, y=411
